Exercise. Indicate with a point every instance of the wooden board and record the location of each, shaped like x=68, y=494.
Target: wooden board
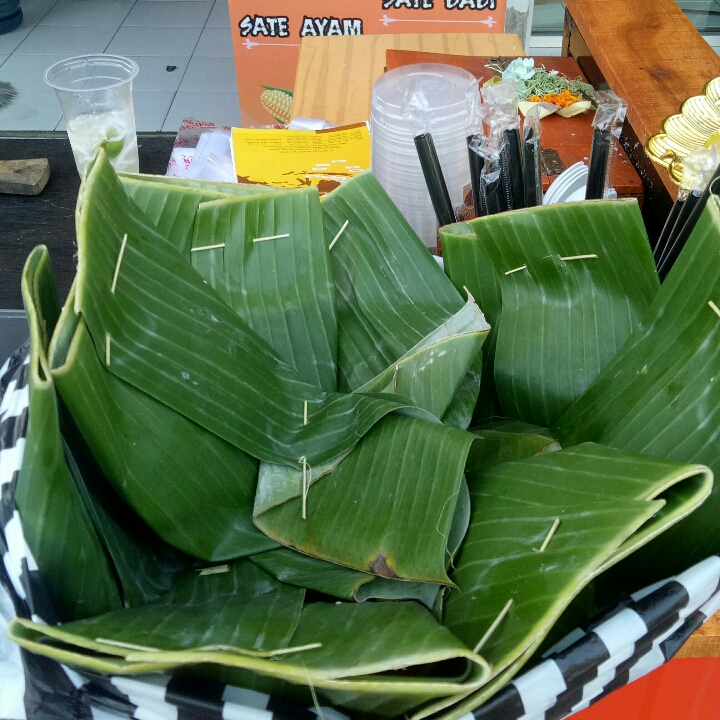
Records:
x=704, y=642
x=49, y=218
x=650, y=54
x=571, y=137
x=335, y=74
x=24, y=177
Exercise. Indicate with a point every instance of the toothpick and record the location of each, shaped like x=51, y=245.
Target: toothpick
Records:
x=117, y=264
x=550, y=534
x=394, y=382
x=270, y=653
x=127, y=646
x=714, y=307
x=271, y=237
x=318, y=709
x=522, y=267
x=208, y=247
x=304, y=488
x=299, y=648
x=494, y=626
x=305, y=421
x=217, y=570
x=339, y=233
x=593, y=256
x=107, y=349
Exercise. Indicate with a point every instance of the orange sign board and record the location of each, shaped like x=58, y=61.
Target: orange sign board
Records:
x=267, y=34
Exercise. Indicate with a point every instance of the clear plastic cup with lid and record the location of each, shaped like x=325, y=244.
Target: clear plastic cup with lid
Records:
x=95, y=94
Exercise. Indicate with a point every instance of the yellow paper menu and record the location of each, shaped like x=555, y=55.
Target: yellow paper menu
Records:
x=300, y=158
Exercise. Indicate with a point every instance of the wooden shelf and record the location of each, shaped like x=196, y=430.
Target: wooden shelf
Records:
x=649, y=53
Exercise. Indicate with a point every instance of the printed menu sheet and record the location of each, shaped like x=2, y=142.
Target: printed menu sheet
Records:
x=301, y=158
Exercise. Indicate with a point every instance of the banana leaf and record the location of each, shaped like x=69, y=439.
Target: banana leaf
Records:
x=427, y=374
x=563, y=287
x=659, y=396
x=390, y=292
x=167, y=333
x=195, y=490
x=460, y=411
x=171, y=208
x=607, y=503
x=343, y=649
x=146, y=567
x=212, y=186
x=143, y=565
x=387, y=508
x=501, y=446
x=56, y=525
x=304, y=571
x=432, y=372
x=282, y=287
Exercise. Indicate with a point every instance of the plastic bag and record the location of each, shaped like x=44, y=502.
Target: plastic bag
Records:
x=607, y=124
x=532, y=156
x=213, y=158
x=500, y=111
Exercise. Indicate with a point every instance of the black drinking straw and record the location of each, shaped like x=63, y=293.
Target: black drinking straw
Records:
x=493, y=196
x=599, y=156
x=512, y=169
x=667, y=228
x=492, y=190
x=477, y=162
x=674, y=252
x=685, y=211
x=434, y=179
x=532, y=171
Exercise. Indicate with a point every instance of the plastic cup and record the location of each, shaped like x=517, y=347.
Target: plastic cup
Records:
x=95, y=94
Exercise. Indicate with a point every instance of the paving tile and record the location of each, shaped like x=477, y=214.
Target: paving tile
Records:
x=28, y=71
x=151, y=107
x=154, y=74
x=35, y=10
x=219, y=15
x=34, y=108
x=168, y=13
x=9, y=41
x=214, y=42
x=65, y=39
x=209, y=74
x=157, y=41
x=218, y=107
x=88, y=12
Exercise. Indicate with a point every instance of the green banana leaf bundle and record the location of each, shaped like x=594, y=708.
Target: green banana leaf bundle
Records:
x=272, y=442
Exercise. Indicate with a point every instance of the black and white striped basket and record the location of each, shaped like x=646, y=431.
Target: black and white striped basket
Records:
x=611, y=651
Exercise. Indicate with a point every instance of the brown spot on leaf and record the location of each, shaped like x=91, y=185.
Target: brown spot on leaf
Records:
x=325, y=186
x=379, y=566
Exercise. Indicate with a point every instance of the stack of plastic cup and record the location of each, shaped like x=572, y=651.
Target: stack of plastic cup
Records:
x=395, y=161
